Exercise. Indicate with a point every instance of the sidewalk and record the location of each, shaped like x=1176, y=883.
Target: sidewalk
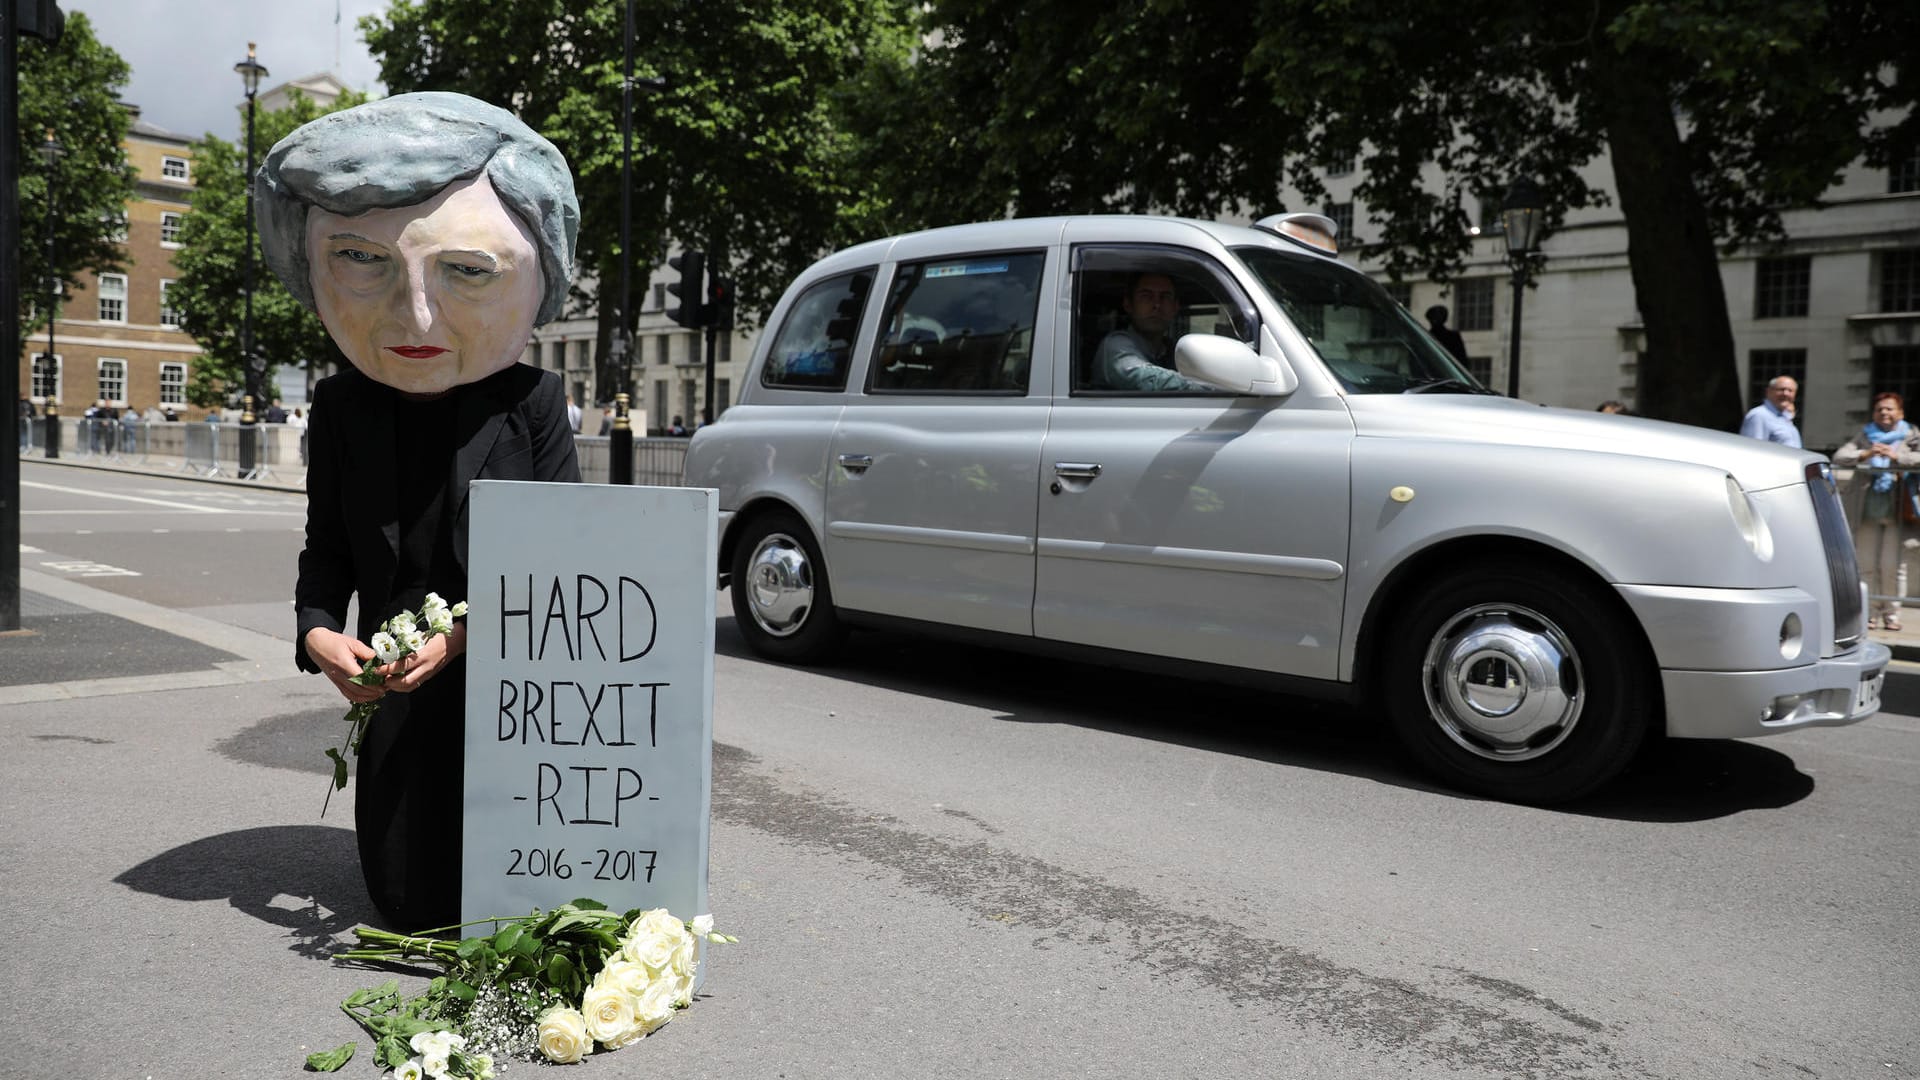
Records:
x=283, y=478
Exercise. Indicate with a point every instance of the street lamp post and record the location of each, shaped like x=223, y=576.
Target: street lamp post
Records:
x=251, y=72
x=51, y=152
x=620, y=439
x=1521, y=216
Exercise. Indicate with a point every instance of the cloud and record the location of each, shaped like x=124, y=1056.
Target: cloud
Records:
x=183, y=54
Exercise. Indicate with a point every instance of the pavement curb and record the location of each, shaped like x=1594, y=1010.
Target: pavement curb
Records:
x=171, y=469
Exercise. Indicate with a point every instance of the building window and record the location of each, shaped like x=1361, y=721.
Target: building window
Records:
x=1473, y=304
x=1904, y=175
x=113, y=382
x=1402, y=293
x=659, y=416
x=1781, y=285
x=113, y=298
x=174, y=168
x=169, y=315
x=582, y=354
x=693, y=346
x=1481, y=368
x=170, y=228
x=1342, y=215
x=659, y=298
x=1896, y=368
x=173, y=383
x=1490, y=221
x=1900, y=280
x=1340, y=168
x=660, y=348
x=46, y=378
x=723, y=392
x=1766, y=365
x=687, y=402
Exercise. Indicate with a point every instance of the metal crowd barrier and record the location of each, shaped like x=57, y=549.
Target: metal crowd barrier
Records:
x=657, y=461
x=1906, y=525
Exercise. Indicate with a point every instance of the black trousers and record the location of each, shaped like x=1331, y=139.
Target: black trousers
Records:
x=406, y=815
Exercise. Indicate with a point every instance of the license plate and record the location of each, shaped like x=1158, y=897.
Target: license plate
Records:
x=1867, y=698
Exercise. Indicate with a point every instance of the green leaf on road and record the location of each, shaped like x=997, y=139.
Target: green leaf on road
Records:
x=330, y=1060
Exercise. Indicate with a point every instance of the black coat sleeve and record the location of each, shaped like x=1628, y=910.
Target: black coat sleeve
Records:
x=326, y=578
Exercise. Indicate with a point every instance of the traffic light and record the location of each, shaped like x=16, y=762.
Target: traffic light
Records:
x=690, y=290
x=719, y=309
x=40, y=18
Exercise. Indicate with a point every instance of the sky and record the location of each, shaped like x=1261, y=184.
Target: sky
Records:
x=183, y=53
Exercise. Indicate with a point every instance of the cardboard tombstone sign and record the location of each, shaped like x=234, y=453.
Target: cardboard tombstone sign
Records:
x=430, y=232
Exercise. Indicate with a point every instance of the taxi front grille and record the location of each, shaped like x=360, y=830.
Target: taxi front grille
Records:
x=1843, y=569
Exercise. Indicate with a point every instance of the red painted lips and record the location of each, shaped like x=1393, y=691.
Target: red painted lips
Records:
x=415, y=352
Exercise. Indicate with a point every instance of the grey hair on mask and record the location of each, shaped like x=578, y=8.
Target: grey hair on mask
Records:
x=403, y=150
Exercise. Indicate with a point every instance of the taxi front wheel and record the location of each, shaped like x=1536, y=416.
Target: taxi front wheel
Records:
x=1520, y=683
x=782, y=601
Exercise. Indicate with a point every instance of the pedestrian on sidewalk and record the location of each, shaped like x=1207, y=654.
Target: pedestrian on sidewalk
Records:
x=1877, y=500
x=413, y=180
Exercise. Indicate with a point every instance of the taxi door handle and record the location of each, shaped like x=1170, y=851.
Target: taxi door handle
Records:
x=1074, y=470
x=856, y=462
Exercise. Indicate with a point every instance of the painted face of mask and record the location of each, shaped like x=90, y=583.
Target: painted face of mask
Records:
x=427, y=297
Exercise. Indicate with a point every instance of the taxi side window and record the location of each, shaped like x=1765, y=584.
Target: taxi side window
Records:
x=814, y=347
x=960, y=325
x=1109, y=283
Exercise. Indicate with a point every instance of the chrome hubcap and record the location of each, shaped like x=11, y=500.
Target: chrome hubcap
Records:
x=1503, y=682
x=779, y=585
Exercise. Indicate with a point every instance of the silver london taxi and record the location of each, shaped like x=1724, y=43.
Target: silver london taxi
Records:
x=983, y=429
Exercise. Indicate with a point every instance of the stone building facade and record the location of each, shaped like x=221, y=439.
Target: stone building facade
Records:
x=115, y=337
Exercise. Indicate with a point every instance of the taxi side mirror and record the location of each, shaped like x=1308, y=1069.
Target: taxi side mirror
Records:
x=1233, y=365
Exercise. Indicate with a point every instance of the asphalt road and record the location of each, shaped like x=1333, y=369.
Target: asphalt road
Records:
x=948, y=862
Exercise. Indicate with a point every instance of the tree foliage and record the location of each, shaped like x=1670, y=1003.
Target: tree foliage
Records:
x=210, y=290
x=1717, y=113
x=739, y=156
x=71, y=89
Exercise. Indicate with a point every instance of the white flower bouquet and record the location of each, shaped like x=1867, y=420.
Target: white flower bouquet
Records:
x=552, y=985
x=400, y=637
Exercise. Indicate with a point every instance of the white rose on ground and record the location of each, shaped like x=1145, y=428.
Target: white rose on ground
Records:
x=655, y=1007
x=657, y=921
x=384, y=647
x=608, y=1009
x=653, y=950
x=409, y=1071
x=563, y=1036
x=434, y=1042
x=682, y=990
x=630, y=976
x=702, y=925
x=685, y=955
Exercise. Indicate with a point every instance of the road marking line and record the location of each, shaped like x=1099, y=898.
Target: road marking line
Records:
x=128, y=498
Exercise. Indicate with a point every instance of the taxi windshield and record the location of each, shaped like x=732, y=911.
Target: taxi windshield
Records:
x=1369, y=342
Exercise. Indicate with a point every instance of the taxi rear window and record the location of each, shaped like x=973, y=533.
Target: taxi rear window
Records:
x=814, y=347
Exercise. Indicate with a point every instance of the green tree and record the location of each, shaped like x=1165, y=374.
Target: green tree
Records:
x=1716, y=113
x=210, y=290
x=739, y=156
x=71, y=89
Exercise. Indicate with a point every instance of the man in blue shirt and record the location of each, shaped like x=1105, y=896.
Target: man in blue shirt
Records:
x=1140, y=357
x=1772, y=419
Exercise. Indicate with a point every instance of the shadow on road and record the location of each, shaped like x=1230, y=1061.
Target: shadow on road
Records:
x=1673, y=781
x=259, y=870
